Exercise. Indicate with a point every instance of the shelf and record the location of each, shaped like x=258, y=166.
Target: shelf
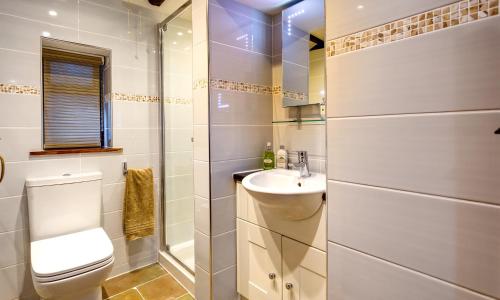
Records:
x=301, y=121
x=74, y=150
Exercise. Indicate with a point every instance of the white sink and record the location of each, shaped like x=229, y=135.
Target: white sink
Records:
x=285, y=193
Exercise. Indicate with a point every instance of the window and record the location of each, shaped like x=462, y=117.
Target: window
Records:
x=74, y=114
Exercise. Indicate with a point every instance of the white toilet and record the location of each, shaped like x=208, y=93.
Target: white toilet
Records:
x=71, y=255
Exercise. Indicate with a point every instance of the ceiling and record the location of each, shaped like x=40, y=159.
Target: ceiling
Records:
x=270, y=7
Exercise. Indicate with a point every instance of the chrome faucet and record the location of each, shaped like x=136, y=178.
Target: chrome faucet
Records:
x=302, y=165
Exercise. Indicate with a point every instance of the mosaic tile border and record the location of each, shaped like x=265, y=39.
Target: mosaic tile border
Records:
x=134, y=98
x=245, y=87
x=200, y=83
x=450, y=15
x=172, y=100
x=31, y=90
x=18, y=89
x=240, y=86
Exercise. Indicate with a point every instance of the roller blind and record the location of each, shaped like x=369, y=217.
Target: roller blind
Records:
x=71, y=99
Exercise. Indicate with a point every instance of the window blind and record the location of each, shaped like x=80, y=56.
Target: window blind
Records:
x=71, y=99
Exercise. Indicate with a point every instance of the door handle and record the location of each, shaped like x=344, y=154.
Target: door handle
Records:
x=2, y=166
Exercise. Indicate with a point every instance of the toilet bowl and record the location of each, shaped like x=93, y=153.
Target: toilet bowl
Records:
x=71, y=255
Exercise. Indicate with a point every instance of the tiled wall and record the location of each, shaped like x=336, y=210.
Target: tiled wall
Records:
x=240, y=105
x=413, y=177
x=306, y=136
x=131, y=35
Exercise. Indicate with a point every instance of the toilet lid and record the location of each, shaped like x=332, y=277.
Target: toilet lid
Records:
x=70, y=252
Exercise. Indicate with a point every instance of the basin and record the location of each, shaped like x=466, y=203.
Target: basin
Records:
x=284, y=193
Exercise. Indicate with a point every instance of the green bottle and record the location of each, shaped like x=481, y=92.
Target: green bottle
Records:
x=268, y=158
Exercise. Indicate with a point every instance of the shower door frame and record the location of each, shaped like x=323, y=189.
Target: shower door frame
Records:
x=162, y=27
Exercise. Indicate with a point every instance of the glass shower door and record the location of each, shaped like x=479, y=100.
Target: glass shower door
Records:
x=178, y=194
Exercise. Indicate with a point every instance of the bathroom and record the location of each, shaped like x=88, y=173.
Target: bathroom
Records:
x=133, y=134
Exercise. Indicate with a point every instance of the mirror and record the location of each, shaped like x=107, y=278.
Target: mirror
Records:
x=303, y=53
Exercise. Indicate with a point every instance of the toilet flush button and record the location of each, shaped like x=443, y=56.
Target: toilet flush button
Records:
x=66, y=174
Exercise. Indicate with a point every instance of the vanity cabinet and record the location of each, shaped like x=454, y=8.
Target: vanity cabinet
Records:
x=274, y=267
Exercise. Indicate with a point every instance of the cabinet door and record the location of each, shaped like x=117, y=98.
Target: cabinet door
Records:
x=304, y=271
x=264, y=264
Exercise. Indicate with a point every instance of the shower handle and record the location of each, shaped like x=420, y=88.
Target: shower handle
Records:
x=2, y=166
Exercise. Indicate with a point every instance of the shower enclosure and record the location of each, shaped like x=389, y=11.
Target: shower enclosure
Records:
x=177, y=137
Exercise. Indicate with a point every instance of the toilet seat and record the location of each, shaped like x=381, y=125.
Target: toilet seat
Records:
x=70, y=255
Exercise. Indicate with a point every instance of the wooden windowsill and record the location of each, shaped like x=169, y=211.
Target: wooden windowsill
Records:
x=74, y=151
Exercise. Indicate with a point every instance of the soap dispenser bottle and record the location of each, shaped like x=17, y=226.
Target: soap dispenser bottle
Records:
x=282, y=158
x=268, y=158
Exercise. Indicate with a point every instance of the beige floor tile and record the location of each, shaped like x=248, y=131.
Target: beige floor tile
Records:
x=128, y=295
x=127, y=281
x=162, y=288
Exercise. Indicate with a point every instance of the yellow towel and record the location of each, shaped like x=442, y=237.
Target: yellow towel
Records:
x=139, y=206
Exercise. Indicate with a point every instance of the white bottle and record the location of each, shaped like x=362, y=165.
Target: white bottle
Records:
x=282, y=158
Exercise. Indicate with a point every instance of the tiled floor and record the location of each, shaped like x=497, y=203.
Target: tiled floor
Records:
x=148, y=283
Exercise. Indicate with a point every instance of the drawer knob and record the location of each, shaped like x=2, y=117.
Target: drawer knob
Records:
x=288, y=286
x=272, y=276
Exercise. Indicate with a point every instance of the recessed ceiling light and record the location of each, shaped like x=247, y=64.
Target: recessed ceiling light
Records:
x=190, y=31
x=46, y=34
x=179, y=33
x=53, y=13
x=361, y=6
x=174, y=43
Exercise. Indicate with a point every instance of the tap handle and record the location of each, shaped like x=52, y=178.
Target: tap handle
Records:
x=2, y=168
x=302, y=156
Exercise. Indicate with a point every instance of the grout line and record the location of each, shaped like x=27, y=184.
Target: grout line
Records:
x=238, y=48
x=416, y=193
x=417, y=114
x=139, y=292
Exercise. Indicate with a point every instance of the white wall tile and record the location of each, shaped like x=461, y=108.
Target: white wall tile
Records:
x=202, y=284
x=15, y=281
x=200, y=106
x=179, y=210
x=24, y=68
x=252, y=67
x=229, y=107
x=223, y=214
x=222, y=183
x=20, y=111
x=201, y=179
x=202, y=215
x=39, y=11
x=201, y=142
x=24, y=35
x=178, y=163
x=109, y=165
x=16, y=143
x=449, y=239
x=228, y=142
x=442, y=78
x=223, y=250
x=343, y=17
x=113, y=195
x=16, y=173
x=360, y=276
x=179, y=186
x=202, y=250
x=307, y=137
x=13, y=213
x=442, y=154
x=14, y=246
x=113, y=224
x=224, y=284
x=234, y=28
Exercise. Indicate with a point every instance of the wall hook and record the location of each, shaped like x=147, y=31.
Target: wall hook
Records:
x=125, y=168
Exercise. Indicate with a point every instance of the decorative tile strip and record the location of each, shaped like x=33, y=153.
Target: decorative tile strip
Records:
x=461, y=12
x=200, y=83
x=172, y=100
x=294, y=95
x=19, y=89
x=240, y=86
x=135, y=98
